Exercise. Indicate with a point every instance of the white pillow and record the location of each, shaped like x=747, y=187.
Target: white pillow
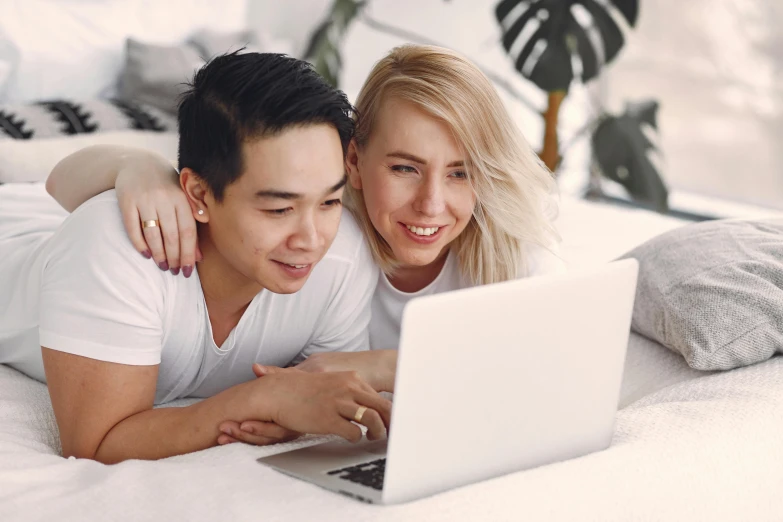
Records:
x=75, y=48
x=33, y=160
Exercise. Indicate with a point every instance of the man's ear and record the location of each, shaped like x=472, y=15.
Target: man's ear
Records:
x=352, y=165
x=197, y=193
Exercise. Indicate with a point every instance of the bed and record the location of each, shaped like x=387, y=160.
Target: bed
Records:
x=688, y=445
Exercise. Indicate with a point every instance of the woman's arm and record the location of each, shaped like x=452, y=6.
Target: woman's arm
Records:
x=147, y=189
x=92, y=170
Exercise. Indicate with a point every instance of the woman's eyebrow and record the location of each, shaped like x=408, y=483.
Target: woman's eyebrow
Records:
x=410, y=157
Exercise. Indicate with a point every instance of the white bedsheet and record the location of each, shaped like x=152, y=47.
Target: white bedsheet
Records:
x=688, y=446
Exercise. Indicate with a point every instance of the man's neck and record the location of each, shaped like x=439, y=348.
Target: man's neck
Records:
x=227, y=292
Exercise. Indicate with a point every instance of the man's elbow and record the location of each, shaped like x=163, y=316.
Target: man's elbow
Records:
x=51, y=183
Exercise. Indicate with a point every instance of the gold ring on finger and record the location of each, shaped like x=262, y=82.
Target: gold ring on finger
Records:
x=150, y=223
x=360, y=413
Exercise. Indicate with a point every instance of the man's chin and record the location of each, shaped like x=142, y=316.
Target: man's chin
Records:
x=283, y=287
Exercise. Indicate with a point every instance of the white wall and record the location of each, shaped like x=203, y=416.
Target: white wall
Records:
x=467, y=26
x=717, y=68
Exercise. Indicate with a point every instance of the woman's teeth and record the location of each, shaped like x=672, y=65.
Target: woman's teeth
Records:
x=296, y=266
x=423, y=231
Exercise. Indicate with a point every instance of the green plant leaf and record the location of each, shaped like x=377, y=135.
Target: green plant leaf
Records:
x=622, y=150
x=551, y=34
x=323, y=50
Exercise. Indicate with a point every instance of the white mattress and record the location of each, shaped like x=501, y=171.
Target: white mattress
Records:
x=688, y=446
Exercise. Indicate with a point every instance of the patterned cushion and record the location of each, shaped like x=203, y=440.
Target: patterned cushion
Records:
x=56, y=118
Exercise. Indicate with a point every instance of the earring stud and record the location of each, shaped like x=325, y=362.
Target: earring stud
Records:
x=200, y=212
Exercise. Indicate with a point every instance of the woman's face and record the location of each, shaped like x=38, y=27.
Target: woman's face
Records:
x=411, y=172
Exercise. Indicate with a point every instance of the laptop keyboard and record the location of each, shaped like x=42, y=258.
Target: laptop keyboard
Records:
x=368, y=474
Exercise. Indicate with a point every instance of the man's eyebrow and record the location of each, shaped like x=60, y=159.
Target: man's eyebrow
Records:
x=337, y=186
x=277, y=194
x=416, y=159
x=280, y=194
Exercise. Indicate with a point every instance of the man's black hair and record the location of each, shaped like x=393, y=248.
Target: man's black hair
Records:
x=237, y=97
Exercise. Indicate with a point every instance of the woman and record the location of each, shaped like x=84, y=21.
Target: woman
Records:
x=448, y=192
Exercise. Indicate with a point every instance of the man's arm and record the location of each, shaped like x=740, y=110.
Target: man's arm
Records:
x=92, y=170
x=104, y=410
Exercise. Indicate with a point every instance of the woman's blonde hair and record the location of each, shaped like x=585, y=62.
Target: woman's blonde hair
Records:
x=513, y=188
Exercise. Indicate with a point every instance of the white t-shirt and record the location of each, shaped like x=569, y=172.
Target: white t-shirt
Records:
x=101, y=299
x=388, y=302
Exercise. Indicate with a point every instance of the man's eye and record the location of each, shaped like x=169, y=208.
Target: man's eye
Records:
x=333, y=203
x=279, y=211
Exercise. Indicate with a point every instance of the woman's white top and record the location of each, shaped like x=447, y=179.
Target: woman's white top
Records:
x=388, y=302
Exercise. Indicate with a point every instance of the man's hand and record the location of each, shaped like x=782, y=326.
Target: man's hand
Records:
x=320, y=403
x=257, y=433
x=377, y=367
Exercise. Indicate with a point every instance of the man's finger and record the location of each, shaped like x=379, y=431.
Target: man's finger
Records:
x=226, y=439
x=376, y=402
x=346, y=429
x=268, y=429
x=369, y=418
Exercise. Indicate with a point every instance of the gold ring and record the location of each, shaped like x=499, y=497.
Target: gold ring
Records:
x=360, y=413
x=150, y=223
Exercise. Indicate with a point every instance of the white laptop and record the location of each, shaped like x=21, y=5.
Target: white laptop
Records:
x=490, y=380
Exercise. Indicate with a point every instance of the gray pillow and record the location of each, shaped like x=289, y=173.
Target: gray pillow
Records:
x=157, y=75
x=713, y=292
x=213, y=43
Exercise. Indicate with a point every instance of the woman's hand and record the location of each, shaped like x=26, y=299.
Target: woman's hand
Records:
x=150, y=190
x=302, y=402
x=377, y=367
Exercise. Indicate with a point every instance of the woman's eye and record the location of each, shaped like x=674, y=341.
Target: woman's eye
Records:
x=460, y=175
x=403, y=168
x=333, y=203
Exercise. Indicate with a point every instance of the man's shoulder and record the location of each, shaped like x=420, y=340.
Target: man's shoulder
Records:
x=98, y=212
x=95, y=234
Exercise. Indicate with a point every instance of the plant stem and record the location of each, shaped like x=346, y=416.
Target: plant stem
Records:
x=550, y=155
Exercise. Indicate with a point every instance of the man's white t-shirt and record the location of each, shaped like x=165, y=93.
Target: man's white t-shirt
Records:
x=389, y=302
x=90, y=293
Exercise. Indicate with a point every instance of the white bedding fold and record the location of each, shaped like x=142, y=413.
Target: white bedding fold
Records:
x=688, y=446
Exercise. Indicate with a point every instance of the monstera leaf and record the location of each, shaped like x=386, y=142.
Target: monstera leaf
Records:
x=552, y=34
x=323, y=51
x=621, y=150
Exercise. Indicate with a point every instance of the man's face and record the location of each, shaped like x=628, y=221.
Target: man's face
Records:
x=280, y=217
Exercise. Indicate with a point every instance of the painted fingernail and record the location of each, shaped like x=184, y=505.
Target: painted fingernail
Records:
x=164, y=265
x=175, y=271
x=147, y=254
x=187, y=271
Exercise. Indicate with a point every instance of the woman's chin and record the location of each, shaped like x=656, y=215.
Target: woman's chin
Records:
x=418, y=257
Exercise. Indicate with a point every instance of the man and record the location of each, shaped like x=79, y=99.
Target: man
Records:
x=262, y=142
